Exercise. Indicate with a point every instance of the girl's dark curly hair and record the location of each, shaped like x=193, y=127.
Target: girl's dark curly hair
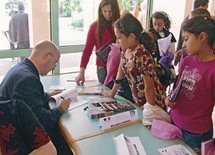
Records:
x=160, y=15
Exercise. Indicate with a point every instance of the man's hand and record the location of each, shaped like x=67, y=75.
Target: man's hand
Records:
x=63, y=105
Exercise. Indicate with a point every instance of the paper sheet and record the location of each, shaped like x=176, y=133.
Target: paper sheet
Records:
x=128, y=145
x=175, y=150
x=163, y=44
x=76, y=103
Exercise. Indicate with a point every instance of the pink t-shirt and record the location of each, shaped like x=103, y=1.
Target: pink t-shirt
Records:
x=196, y=98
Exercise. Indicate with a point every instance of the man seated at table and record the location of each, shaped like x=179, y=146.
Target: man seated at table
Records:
x=23, y=82
x=21, y=132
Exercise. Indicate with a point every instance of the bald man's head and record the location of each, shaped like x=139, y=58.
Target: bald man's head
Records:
x=45, y=56
x=44, y=46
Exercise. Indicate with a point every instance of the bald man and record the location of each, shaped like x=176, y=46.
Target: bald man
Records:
x=23, y=82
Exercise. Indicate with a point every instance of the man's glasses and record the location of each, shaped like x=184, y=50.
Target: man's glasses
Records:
x=56, y=61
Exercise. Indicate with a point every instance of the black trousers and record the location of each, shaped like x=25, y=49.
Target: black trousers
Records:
x=101, y=74
x=59, y=142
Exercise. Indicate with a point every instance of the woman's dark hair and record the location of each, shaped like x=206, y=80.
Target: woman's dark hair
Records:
x=101, y=21
x=199, y=24
x=160, y=15
x=129, y=24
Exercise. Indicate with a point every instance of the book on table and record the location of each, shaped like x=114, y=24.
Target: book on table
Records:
x=105, y=106
x=173, y=95
x=90, y=91
x=69, y=93
x=208, y=147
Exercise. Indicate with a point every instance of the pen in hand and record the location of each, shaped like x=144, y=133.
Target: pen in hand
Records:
x=62, y=97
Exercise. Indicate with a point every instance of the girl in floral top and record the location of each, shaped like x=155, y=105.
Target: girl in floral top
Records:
x=137, y=64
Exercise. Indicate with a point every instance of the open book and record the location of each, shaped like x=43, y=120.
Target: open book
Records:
x=70, y=93
x=128, y=145
x=67, y=93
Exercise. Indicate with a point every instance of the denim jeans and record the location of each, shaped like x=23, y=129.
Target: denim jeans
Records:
x=194, y=140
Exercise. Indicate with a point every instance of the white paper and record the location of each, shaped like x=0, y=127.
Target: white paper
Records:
x=163, y=44
x=128, y=145
x=68, y=93
x=76, y=103
x=175, y=150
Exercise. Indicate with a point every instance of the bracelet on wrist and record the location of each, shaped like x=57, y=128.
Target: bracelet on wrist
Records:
x=118, y=81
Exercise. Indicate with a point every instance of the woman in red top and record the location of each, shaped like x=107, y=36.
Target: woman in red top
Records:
x=100, y=32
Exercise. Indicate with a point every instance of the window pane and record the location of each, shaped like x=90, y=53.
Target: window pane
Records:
x=38, y=27
x=71, y=22
x=38, y=22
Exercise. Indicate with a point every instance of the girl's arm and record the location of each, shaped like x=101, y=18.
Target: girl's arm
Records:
x=149, y=89
x=120, y=75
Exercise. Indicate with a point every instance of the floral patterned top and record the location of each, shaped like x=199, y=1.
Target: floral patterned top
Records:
x=140, y=64
x=20, y=131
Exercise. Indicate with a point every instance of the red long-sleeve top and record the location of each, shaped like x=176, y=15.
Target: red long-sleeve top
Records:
x=93, y=40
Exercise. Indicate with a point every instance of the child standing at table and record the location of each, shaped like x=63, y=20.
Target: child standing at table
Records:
x=137, y=64
x=193, y=107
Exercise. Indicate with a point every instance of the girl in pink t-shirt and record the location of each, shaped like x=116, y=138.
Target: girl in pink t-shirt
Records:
x=192, y=109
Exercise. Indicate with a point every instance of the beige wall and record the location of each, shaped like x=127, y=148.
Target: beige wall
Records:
x=211, y=7
x=188, y=7
x=39, y=19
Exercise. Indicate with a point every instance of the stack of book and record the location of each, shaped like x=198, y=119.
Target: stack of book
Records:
x=106, y=106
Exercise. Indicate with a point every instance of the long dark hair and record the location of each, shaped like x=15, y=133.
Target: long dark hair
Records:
x=102, y=23
x=199, y=24
x=129, y=24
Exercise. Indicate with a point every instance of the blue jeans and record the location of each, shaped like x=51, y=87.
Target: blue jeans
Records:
x=194, y=140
